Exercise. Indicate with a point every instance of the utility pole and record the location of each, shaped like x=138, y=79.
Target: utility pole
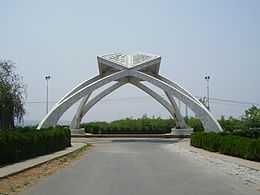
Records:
x=47, y=78
x=207, y=78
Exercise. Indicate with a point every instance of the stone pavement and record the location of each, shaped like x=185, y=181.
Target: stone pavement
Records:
x=30, y=163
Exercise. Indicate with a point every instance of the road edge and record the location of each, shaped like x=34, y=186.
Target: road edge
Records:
x=19, y=167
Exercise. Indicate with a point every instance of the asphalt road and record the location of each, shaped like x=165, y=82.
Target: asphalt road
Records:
x=138, y=167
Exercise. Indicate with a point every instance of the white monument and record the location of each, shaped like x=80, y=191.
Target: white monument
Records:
x=134, y=69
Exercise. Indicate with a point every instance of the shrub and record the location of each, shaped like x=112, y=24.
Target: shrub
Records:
x=24, y=143
x=194, y=123
x=229, y=144
x=131, y=126
x=231, y=124
x=250, y=133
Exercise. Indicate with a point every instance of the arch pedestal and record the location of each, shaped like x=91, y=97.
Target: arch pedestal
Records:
x=133, y=69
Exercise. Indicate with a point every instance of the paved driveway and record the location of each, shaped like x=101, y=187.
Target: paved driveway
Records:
x=138, y=167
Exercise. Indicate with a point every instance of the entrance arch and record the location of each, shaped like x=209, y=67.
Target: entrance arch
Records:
x=85, y=106
x=131, y=69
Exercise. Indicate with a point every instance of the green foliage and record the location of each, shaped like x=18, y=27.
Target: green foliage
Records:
x=11, y=96
x=195, y=124
x=250, y=133
x=250, y=120
x=248, y=126
x=25, y=143
x=227, y=143
x=231, y=124
x=144, y=125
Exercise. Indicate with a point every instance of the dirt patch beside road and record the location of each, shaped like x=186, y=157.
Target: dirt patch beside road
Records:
x=14, y=184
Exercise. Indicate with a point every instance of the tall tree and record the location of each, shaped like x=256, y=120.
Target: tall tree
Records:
x=12, y=94
x=252, y=117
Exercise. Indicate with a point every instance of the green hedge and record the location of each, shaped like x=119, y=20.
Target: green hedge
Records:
x=250, y=133
x=233, y=145
x=131, y=126
x=25, y=143
x=144, y=125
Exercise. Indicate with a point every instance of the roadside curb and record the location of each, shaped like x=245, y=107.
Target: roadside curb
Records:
x=19, y=167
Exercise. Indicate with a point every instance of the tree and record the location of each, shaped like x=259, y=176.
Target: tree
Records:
x=12, y=94
x=231, y=124
x=194, y=123
x=252, y=117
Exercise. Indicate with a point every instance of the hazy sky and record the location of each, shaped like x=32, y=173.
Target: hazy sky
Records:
x=194, y=37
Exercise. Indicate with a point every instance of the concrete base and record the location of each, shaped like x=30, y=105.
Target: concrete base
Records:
x=78, y=131
x=182, y=132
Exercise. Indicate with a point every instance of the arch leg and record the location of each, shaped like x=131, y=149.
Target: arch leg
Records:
x=178, y=87
x=86, y=107
x=139, y=85
x=57, y=111
x=75, y=123
x=134, y=82
x=154, y=95
x=180, y=123
x=208, y=121
x=79, y=87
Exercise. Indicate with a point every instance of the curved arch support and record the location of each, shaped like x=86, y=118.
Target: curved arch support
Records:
x=57, y=111
x=177, y=86
x=75, y=124
x=180, y=123
x=154, y=95
x=77, y=117
x=134, y=82
x=132, y=76
x=79, y=87
x=208, y=121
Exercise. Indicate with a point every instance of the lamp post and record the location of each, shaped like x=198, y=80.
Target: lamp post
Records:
x=47, y=78
x=207, y=78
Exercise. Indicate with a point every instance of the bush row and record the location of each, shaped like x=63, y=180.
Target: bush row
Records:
x=130, y=126
x=250, y=133
x=143, y=125
x=233, y=145
x=25, y=143
x=253, y=133
x=249, y=120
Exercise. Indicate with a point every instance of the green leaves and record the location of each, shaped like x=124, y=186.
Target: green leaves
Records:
x=229, y=144
x=24, y=143
x=144, y=125
x=252, y=117
x=11, y=95
x=250, y=120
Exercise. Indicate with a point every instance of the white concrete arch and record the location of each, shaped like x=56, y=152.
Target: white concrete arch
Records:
x=207, y=119
x=177, y=86
x=77, y=117
x=172, y=108
x=133, y=69
x=80, y=86
x=180, y=123
x=84, y=108
x=51, y=119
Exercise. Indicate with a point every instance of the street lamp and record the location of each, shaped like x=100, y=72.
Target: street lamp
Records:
x=207, y=78
x=47, y=78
